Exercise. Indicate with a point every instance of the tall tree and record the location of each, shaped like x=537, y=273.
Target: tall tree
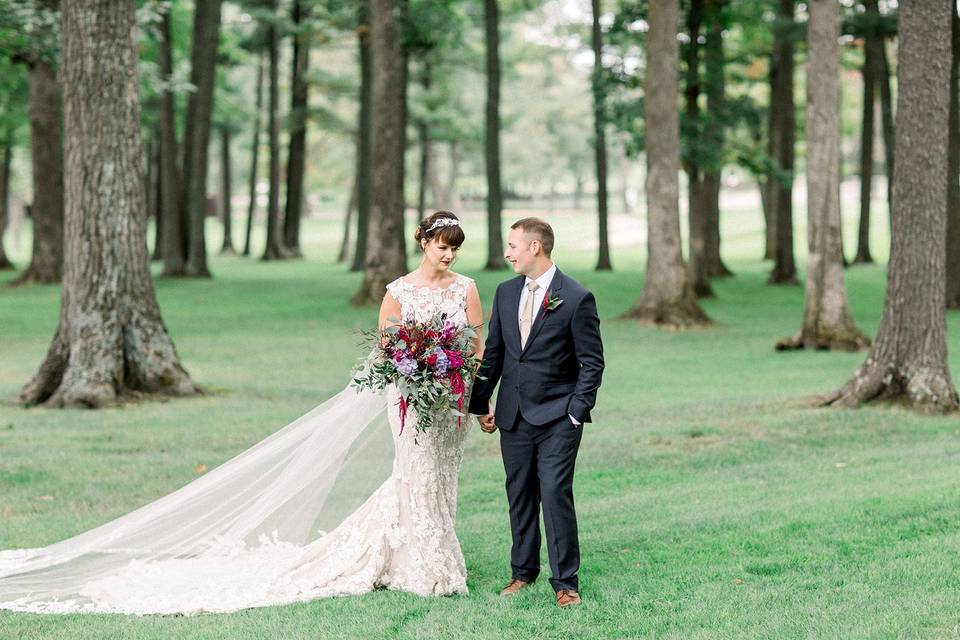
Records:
x=386, y=254
x=953, y=171
x=107, y=291
x=908, y=360
x=203, y=57
x=274, y=249
x=296, y=152
x=173, y=217
x=226, y=191
x=667, y=297
x=827, y=323
x=492, y=138
x=6, y=162
x=423, y=133
x=254, y=155
x=714, y=135
x=14, y=90
x=46, y=145
x=694, y=152
x=886, y=115
x=600, y=137
x=869, y=72
x=364, y=177
x=782, y=132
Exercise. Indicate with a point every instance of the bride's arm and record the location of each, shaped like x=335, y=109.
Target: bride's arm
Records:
x=475, y=317
x=389, y=308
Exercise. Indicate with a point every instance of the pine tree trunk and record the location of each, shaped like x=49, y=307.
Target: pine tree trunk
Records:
x=869, y=74
x=254, y=156
x=174, y=235
x=226, y=192
x=364, y=178
x=206, y=29
x=296, y=154
x=667, y=297
x=713, y=131
x=155, y=195
x=348, y=224
x=953, y=172
x=695, y=201
x=46, y=145
x=386, y=252
x=600, y=140
x=423, y=133
x=6, y=162
x=495, y=258
x=781, y=102
x=111, y=339
x=909, y=358
x=274, y=249
x=886, y=119
x=827, y=323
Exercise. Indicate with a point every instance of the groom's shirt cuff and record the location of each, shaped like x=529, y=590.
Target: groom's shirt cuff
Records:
x=575, y=422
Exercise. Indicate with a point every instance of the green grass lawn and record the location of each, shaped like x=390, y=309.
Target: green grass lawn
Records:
x=714, y=501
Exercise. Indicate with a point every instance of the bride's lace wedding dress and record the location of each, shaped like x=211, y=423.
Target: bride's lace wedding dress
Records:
x=250, y=533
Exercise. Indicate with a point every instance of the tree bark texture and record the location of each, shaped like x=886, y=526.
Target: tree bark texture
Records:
x=6, y=161
x=274, y=249
x=46, y=144
x=495, y=258
x=827, y=323
x=206, y=29
x=254, y=156
x=953, y=173
x=870, y=73
x=111, y=339
x=175, y=229
x=296, y=154
x=386, y=252
x=713, y=131
x=695, y=201
x=782, y=132
x=423, y=133
x=600, y=140
x=364, y=177
x=667, y=298
x=226, y=190
x=908, y=360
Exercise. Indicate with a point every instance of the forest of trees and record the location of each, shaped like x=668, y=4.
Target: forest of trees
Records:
x=409, y=98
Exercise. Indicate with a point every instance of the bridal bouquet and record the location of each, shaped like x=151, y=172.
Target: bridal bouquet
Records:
x=427, y=361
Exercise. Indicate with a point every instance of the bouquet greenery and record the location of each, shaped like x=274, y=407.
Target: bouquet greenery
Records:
x=427, y=361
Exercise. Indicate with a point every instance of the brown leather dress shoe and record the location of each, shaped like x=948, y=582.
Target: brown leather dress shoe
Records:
x=513, y=586
x=567, y=598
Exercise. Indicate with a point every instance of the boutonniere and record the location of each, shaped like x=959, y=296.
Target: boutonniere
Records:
x=551, y=301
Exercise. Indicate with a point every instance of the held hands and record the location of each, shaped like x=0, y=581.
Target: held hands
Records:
x=486, y=422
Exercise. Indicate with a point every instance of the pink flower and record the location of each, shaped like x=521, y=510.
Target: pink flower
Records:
x=455, y=359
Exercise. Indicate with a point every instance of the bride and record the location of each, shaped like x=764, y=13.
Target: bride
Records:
x=297, y=516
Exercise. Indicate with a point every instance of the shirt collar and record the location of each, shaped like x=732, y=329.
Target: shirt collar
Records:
x=545, y=279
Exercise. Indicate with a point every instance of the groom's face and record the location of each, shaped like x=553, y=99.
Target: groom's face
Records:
x=520, y=250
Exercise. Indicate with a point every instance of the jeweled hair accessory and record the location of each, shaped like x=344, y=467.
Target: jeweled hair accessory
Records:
x=443, y=222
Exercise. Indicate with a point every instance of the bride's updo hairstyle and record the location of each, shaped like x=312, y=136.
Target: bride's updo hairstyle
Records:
x=443, y=226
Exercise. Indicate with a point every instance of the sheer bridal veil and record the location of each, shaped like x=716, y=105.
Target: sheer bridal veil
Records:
x=254, y=511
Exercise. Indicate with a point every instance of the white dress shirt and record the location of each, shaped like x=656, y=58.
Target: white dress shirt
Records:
x=538, y=296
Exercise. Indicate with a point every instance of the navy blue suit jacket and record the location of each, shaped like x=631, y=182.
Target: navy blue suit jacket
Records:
x=559, y=370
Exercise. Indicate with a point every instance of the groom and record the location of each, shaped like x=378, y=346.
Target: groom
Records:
x=543, y=346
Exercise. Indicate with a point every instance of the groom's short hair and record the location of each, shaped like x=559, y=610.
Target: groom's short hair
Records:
x=539, y=228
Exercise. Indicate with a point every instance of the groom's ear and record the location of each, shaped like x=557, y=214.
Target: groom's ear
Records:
x=536, y=247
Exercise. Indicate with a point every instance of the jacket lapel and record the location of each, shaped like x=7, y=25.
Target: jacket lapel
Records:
x=513, y=309
x=555, y=284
